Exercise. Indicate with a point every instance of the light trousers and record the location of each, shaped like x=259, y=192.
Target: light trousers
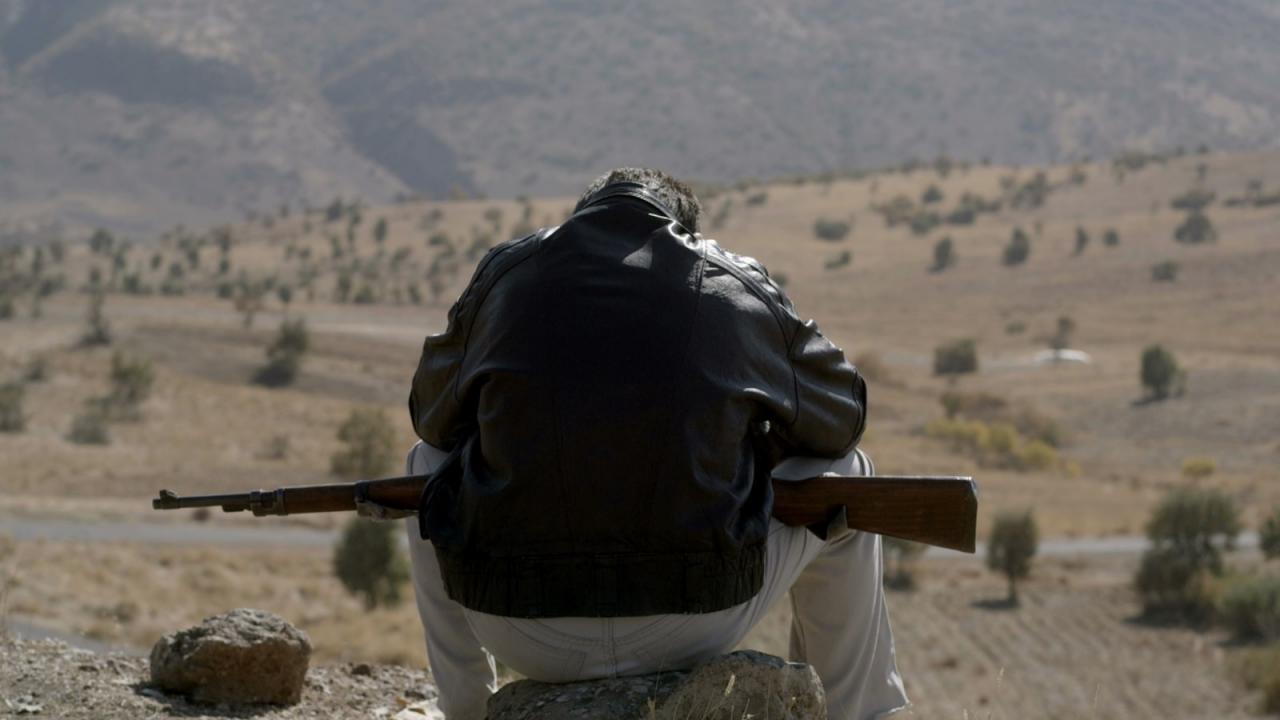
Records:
x=840, y=624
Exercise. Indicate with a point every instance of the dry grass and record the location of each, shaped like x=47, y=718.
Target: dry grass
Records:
x=206, y=427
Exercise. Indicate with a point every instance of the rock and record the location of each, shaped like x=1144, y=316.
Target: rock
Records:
x=239, y=658
x=742, y=684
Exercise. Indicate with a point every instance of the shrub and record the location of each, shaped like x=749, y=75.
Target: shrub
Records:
x=12, y=419
x=90, y=426
x=1018, y=249
x=830, y=230
x=922, y=222
x=6, y=307
x=758, y=198
x=1195, y=229
x=1111, y=238
x=955, y=358
x=838, y=261
x=1011, y=546
x=1082, y=240
x=1259, y=668
x=1061, y=338
x=369, y=563
x=1250, y=607
x=1166, y=271
x=943, y=255
x=370, y=441
x=97, y=330
x=1188, y=533
x=899, y=562
x=37, y=370
x=1198, y=468
x=931, y=195
x=131, y=381
x=1269, y=535
x=284, y=356
x=1160, y=372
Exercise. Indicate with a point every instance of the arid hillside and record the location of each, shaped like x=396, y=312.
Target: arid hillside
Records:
x=1102, y=259
x=136, y=115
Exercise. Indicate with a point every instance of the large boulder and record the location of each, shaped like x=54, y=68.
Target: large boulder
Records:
x=242, y=657
x=742, y=684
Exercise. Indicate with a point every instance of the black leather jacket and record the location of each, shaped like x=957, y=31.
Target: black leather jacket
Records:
x=601, y=386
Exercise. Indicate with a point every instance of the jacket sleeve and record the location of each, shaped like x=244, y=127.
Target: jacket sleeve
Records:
x=829, y=396
x=441, y=416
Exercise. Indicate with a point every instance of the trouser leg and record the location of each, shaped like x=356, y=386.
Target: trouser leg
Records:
x=464, y=672
x=840, y=624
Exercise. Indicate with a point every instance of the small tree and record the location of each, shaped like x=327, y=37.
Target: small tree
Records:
x=131, y=381
x=1160, y=372
x=1195, y=229
x=97, y=331
x=90, y=426
x=830, y=230
x=899, y=562
x=1166, y=271
x=1018, y=249
x=955, y=358
x=1013, y=542
x=12, y=419
x=380, y=231
x=1269, y=535
x=1061, y=338
x=370, y=441
x=284, y=356
x=1082, y=240
x=369, y=562
x=943, y=255
x=1188, y=532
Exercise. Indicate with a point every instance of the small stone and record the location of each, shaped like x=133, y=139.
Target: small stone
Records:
x=362, y=669
x=243, y=657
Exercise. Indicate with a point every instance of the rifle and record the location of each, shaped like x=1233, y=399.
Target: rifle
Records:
x=934, y=510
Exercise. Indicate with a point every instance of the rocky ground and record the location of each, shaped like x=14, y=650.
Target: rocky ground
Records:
x=51, y=679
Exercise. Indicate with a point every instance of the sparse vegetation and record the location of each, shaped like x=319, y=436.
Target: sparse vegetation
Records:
x=1160, y=373
x=1012, y=544
x=1196, y=229
x=1061, y=338
x=943, y=255
x=369, y=563
x=830, y=230
x=370, y=445
x=131, y=382
x=284, y=356
x=1250, y=607
x=97, y=330
x=1269, y=535
x=90, y=426
x=1189, y=531
x=838, y=261
x=1018, y=249
x=899, y=562
x=1198, y=468
x=955, y=358
x=1166, y=271
x=12, y=418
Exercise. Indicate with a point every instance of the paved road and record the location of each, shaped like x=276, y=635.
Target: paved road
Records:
x=268, y=534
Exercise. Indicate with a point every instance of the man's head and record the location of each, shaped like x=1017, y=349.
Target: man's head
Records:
x=677, y=196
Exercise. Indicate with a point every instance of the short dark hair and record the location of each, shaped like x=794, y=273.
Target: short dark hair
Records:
x=676, y=195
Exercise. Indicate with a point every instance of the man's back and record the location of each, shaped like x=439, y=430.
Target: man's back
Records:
x=600, y=383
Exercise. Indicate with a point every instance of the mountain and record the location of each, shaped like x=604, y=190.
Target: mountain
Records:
x=138, y=114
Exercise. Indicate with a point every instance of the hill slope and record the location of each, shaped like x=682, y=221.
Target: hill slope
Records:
x=142, y=114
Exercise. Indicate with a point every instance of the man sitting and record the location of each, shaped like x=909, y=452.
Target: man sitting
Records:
x=602, y=417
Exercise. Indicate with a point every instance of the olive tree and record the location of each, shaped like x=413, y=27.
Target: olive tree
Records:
x=1013, y=543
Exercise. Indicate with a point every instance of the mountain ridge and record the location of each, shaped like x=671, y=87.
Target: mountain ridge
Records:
x=140, y=115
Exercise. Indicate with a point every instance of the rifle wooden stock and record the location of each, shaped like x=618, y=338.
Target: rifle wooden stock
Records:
x=933, y=510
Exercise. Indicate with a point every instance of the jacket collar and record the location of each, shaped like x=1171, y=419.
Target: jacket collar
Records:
x=628, y=189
